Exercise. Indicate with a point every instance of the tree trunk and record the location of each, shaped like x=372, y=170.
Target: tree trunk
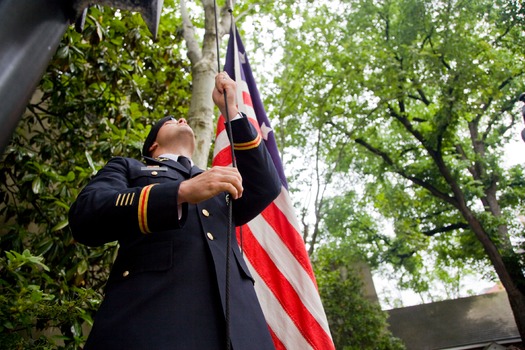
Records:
x=517, y=304
x=501, y=256
x=509, y=277
x=204, y=67
x=201, y=116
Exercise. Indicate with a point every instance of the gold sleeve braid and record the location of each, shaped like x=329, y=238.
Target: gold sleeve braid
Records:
x=143, y=209
x=244, y=146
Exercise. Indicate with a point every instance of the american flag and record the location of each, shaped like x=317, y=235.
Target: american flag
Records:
x=272, y=246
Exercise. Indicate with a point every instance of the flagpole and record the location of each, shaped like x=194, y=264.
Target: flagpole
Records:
x=234, y=165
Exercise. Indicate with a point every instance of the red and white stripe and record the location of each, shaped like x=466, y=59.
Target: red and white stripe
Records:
x=277, y=257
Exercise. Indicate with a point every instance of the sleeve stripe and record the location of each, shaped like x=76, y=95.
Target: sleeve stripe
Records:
x=143, y=209
x=248, y=145
x=129, y=198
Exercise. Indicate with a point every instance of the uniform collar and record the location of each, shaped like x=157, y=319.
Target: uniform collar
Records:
x=172, y=163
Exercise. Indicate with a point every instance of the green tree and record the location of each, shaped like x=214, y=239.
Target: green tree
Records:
x=420, y=96
x=355, y=322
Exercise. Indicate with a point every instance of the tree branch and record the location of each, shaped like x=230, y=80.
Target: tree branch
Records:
x=447, y=228
x=505, y=108
x=421, y=96
x=188, y=32
x=398, y=170
x=409, y=127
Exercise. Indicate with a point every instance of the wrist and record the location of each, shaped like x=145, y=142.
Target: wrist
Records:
x=182, y=193
x=232, y=112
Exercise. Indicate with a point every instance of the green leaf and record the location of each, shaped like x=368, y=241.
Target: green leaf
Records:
x=60, y=225
x=90, y=162
x=70, y=176
x=82, y=267
x=37, y=185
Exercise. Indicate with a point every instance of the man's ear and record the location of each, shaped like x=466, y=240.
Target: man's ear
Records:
x=153, y=147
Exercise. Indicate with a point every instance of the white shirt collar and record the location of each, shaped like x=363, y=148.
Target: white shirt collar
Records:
x=174, y=157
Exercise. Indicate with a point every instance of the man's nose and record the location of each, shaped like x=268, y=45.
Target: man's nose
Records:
x=182, y=121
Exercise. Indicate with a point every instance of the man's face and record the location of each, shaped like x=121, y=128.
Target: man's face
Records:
x=176, y=132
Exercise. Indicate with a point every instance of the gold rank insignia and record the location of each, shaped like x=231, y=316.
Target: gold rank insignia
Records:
x=125, y=199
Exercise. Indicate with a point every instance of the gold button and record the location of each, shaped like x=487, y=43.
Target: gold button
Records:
x=210, y=236
x=205, y=212
x=125, y=274
x=154, y=173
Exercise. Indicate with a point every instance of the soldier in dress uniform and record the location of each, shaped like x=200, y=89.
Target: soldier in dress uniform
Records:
x=167, y=286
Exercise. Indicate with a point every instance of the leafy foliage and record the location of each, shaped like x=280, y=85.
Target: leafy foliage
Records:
x=27, y=306
x=355, y=322
x=101, y=91
x=418, y=98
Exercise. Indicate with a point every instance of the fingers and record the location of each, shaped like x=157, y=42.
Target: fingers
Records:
x=223, y=82
x=210, y=183
x=225, y=179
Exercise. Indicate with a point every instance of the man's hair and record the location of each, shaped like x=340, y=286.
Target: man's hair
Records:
x=152, y=136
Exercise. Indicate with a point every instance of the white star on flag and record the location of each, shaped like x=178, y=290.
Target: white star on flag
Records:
x=265, y=131
x=242, y=57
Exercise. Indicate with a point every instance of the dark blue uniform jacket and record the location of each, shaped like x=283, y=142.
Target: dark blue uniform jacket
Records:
x=167, y=286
